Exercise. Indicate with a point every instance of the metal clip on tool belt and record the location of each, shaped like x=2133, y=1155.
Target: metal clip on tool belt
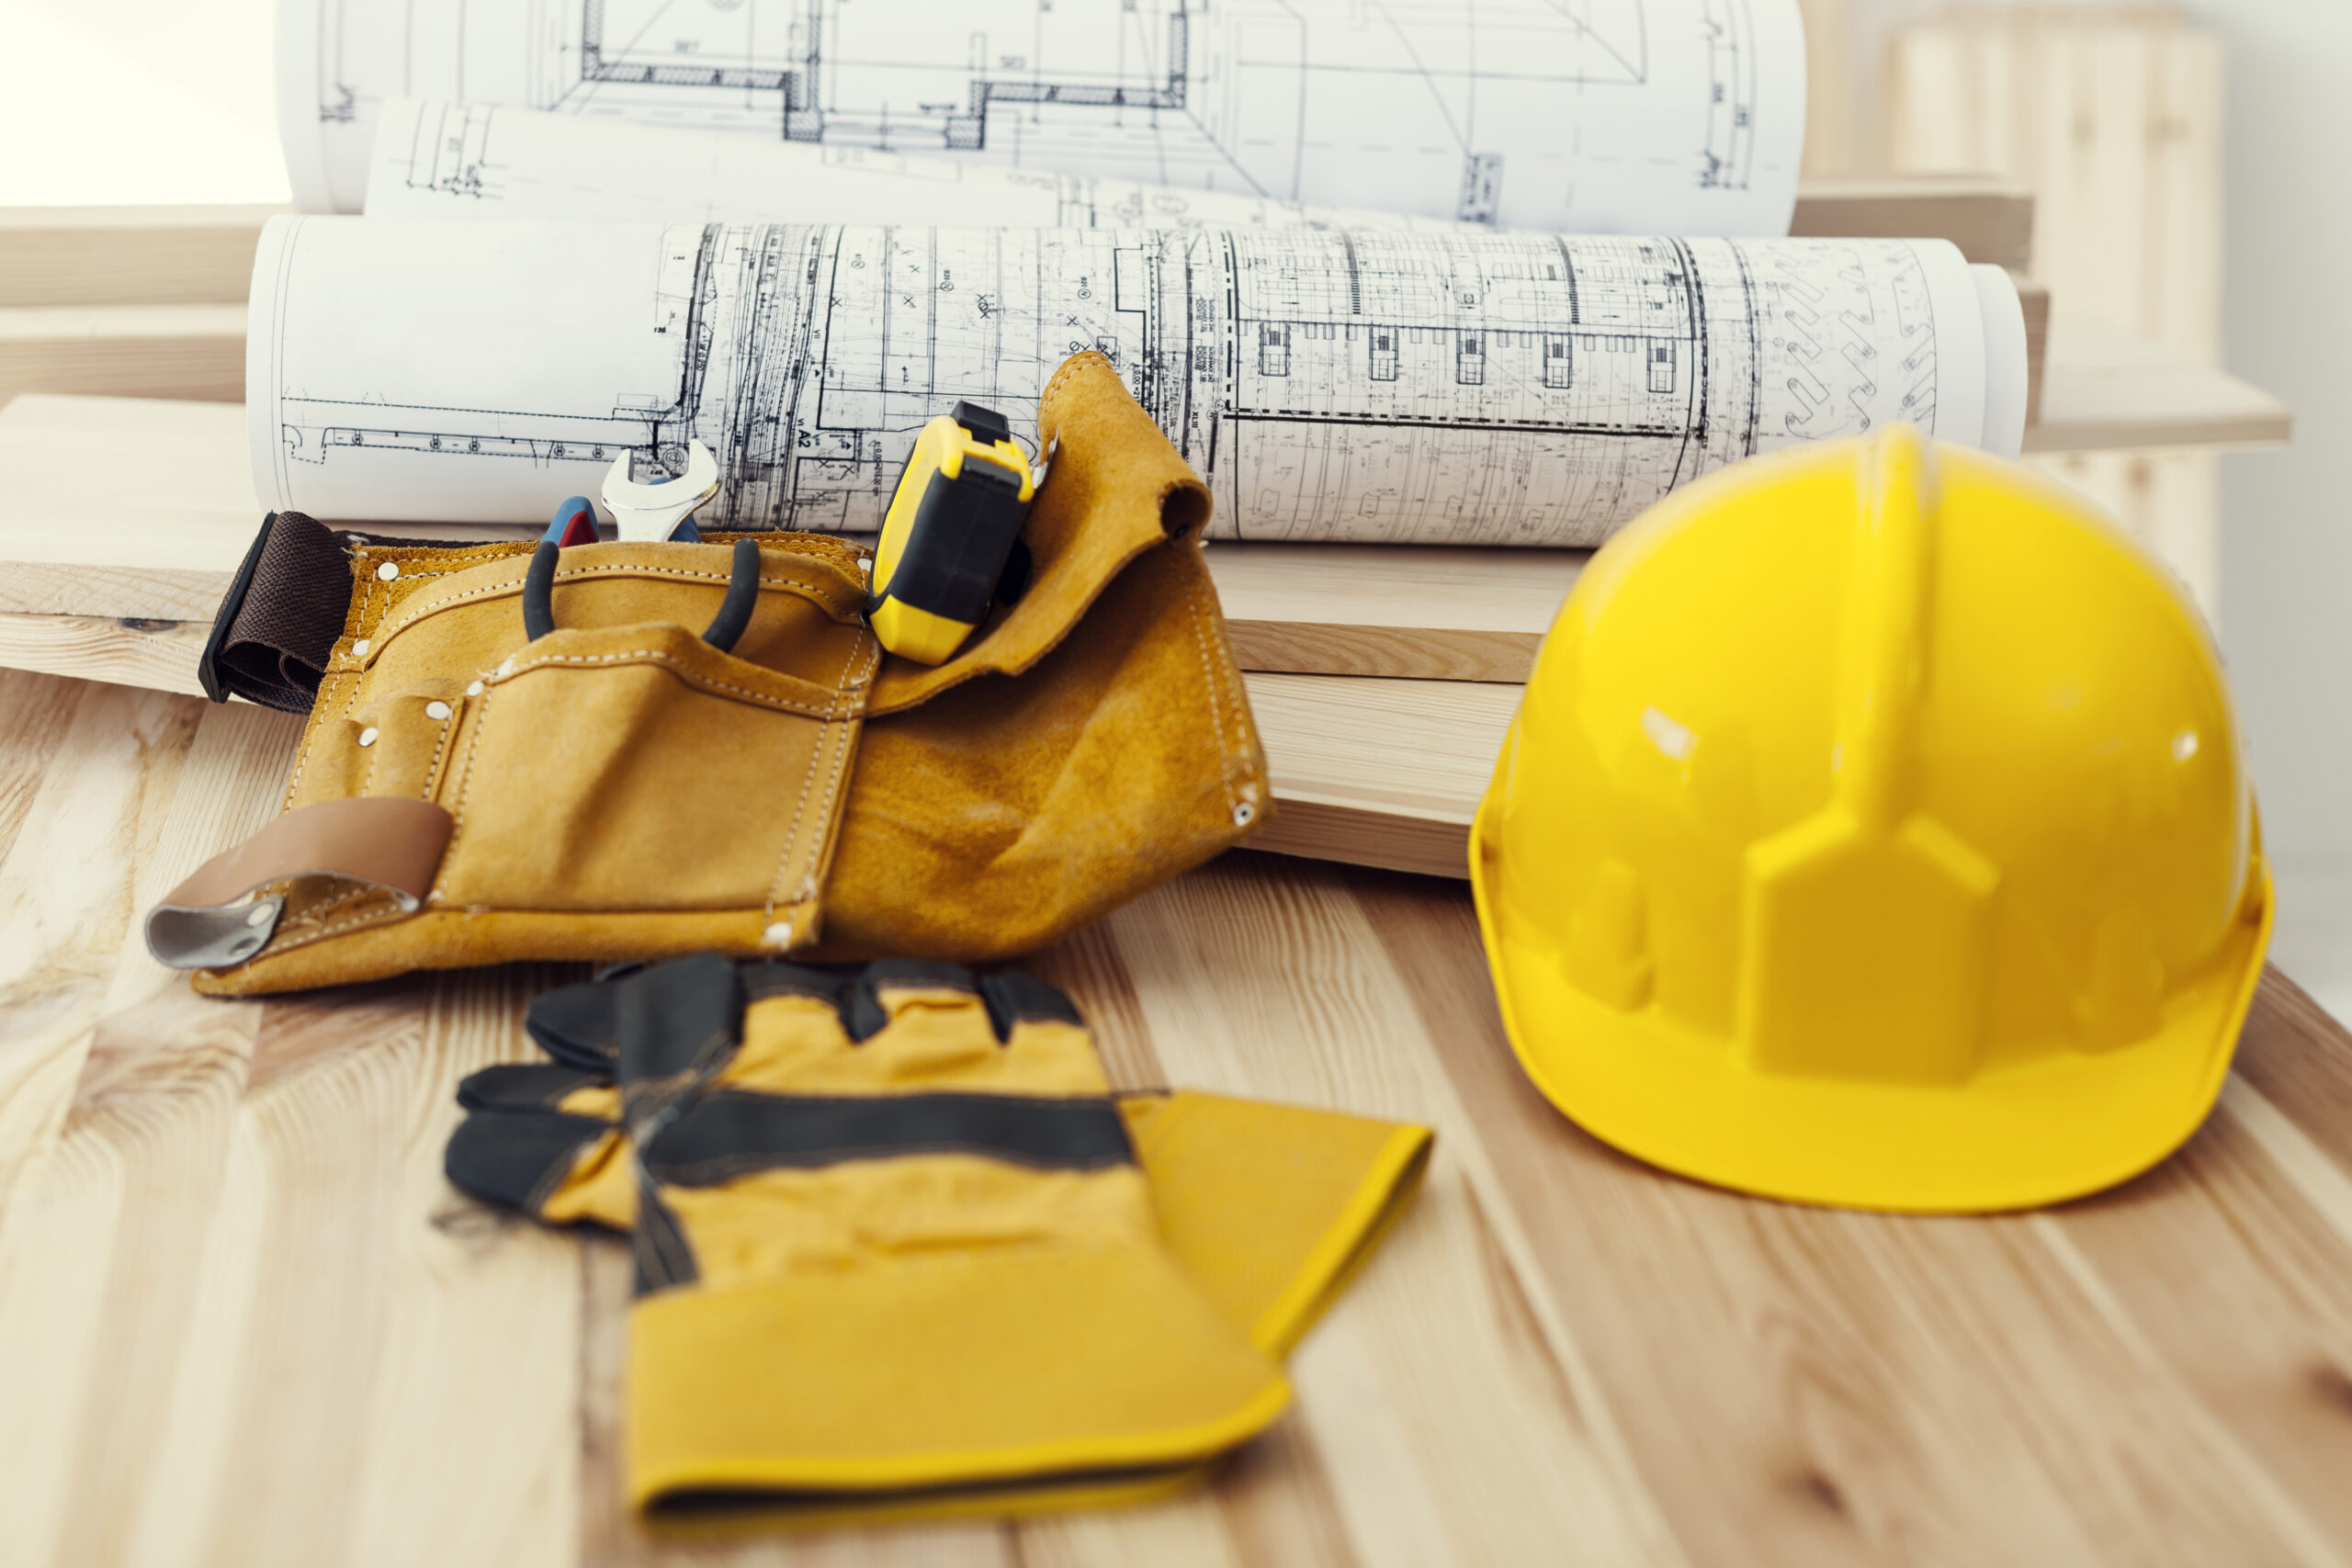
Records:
x=642, y=748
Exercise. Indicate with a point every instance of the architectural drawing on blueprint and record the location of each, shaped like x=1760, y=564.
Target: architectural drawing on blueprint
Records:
x=1591, y=115
x=1463, y=387
x=473, y=161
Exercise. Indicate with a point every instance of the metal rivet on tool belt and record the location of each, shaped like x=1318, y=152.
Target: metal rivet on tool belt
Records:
x=386, y=572
x=259, y=915
x=359, y=648
x=474, y=690
x=436, y=710
x=367, y=736
x=1242, y=813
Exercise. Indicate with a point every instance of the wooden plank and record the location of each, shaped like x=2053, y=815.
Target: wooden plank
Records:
x=1866, y=1380
x=1258, y=977
x=1990, y=220
x=124, y=506
x=138, y=508
x=2106, y=389
x=158, y=655
x=2033, y=304
x=129, y=255
x=133, y=351
x=1430, y=613
x=1378, y=772
x=242, y=1318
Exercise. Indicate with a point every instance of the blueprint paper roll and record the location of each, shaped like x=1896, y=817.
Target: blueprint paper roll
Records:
x=1601, y=117
x=444, y=160
x=1462, y=386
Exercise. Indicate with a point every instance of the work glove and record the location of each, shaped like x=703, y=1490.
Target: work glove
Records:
x=896, y=1250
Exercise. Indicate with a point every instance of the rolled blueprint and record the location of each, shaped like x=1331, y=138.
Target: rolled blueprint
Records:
x=440, y=160
x=1590, y=116
x=1465, y=387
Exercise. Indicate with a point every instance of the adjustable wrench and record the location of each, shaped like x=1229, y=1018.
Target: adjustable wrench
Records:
x=659, y=511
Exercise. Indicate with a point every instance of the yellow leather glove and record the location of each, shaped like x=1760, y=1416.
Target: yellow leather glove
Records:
x=1268, y=1208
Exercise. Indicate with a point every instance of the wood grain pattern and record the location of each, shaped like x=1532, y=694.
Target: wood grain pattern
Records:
x=1423, y=612
x=1378, y=772
x=244, y=1319
x=129, y=255
x=132, y=351
x=1990, y=220
x=2105, y=390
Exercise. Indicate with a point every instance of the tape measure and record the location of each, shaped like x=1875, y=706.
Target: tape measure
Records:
x=951, y=523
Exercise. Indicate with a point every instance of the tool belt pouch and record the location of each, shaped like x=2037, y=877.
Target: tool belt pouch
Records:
x=682, y=760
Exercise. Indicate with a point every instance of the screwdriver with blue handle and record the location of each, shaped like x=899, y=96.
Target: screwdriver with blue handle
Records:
x=952, y=525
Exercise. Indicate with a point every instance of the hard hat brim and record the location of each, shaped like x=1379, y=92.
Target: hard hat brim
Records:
x=2070, y=1123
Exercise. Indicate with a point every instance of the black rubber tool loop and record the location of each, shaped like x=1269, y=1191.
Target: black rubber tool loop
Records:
x=725, y=630
x=743, y=597
x=539, y=590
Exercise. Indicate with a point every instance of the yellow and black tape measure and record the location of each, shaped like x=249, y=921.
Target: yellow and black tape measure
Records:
x=951, y=523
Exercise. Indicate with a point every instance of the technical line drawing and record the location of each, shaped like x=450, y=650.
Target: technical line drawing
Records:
x=1468, y=387
x=1585, y=116
x=473, y=161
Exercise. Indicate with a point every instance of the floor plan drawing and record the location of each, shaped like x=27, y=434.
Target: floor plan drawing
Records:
x=1468, y=386
x=474, y=161
x=1585, y=116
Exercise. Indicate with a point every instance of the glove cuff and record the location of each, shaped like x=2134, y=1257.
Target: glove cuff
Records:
x=823, y=1387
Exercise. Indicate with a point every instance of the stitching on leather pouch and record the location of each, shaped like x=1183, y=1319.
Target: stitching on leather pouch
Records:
x=816, y=760
x=1068, y=366
x=314, y=917
x=1216, y=708
x=373, y=917
x=448, y=728
x=465, y=792
x=812, y=589
x=833, y=784
x=367, y=618
x=299, y=932
x=683, y=673
x=1055, y=386
x=311, y=731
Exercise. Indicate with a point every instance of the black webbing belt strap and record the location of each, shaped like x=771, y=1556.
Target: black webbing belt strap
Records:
x=273, y=633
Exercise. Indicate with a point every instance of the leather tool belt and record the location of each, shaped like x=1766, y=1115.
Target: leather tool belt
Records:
x=703, y=747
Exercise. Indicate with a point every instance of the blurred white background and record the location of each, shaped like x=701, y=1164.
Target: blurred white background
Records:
x=138, y=101
x=150, y=101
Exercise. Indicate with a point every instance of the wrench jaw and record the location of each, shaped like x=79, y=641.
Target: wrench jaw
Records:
x=654, y=511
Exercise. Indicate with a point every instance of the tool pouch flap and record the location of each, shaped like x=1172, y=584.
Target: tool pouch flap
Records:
x=1094, y=739
x=1118, y=491
x=619, y=787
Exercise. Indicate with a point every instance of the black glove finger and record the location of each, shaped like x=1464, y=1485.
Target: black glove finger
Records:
x=517, y=1159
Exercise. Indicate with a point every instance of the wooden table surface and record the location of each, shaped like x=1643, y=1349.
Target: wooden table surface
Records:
x=243, y=1320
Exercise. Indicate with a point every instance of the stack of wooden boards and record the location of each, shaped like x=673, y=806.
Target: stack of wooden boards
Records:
x=1384, y=678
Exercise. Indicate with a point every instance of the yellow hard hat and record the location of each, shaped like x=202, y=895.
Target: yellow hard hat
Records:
x=1874, y=832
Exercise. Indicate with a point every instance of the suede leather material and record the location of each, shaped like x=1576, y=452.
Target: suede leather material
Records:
x=1124, y=754
x=622, y=790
